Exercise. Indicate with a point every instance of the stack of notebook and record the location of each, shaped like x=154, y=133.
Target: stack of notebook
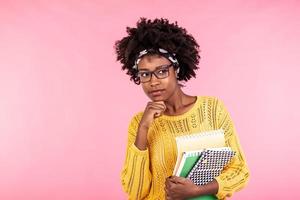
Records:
x=201, y=157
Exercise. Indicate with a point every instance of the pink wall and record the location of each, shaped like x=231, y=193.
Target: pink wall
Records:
x=65, y=104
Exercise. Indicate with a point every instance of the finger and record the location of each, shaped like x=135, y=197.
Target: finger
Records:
x=173, y=181
x=167, y=195
x=163, y=106
x=156, y=106
x=156, y=111
x=157, y=114
x=179, y=179
x=167, y=191
x=158, y=103
x=168, y=184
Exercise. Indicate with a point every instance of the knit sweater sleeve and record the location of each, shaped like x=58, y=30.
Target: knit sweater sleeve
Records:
x=135, y=175
x=236, y=174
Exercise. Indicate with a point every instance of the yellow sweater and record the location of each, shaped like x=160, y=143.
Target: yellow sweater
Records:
x=144, y=172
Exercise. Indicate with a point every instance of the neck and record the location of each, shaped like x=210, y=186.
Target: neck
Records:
x=177, y=102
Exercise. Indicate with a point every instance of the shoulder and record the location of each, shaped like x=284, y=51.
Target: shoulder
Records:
x=136, y=118
x=210, y=99
x=212, y=103
x=134, y=122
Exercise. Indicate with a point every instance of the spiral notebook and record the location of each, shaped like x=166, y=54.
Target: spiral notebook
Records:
x=212, y=161
x=190, y=149
x=196, y=142
x=204, y=165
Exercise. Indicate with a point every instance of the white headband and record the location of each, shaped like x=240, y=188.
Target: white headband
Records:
x=163, y=52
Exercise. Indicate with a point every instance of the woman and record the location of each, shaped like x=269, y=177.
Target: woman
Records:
x=158, y=54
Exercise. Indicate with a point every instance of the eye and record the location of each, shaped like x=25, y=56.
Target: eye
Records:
x=144, y=74
x=163, y=71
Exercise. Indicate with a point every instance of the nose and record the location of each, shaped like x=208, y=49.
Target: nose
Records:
x=154, y=80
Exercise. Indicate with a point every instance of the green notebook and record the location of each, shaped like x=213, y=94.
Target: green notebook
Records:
x=189, y=159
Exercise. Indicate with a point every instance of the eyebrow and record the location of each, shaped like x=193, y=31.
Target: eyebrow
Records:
x=158, y=67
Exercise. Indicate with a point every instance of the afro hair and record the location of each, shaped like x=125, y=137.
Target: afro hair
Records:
x=154, y=34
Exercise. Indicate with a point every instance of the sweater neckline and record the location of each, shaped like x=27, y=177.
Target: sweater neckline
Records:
x=188, y=112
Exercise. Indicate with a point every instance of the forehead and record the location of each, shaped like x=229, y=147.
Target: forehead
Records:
x=152, y=62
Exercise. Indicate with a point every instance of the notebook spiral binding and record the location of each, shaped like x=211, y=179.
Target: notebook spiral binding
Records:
x=194, y=136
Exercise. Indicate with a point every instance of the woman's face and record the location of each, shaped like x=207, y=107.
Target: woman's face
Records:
x=158, y=89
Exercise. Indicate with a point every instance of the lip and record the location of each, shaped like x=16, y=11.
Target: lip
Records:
x=157, y=92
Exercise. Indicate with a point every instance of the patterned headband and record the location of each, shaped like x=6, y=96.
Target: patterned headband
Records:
x=161, y=51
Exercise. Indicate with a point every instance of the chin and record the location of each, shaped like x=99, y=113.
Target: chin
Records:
x=157, y=98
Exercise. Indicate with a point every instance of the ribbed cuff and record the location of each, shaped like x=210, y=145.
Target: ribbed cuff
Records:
x=220, y=194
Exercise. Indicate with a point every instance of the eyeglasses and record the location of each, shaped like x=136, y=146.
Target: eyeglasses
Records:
x=161, y=73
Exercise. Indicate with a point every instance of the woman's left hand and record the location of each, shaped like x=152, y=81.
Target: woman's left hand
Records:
x=178, y=188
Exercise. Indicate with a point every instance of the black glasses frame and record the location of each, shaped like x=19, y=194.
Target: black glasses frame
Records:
x=154, y=72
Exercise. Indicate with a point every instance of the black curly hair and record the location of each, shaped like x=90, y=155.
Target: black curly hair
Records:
x=154, y=34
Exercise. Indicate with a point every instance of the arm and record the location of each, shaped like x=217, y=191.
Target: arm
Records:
x=183, y=188
x=209, y=188
x=236, y=175
x=136, y=176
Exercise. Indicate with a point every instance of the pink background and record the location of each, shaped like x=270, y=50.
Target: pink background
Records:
x=65, y=104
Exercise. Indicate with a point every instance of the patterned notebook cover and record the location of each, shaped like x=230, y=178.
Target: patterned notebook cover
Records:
x=210, y=165
x=198, y=141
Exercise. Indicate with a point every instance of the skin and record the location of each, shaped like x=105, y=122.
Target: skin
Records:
x=171, y=101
